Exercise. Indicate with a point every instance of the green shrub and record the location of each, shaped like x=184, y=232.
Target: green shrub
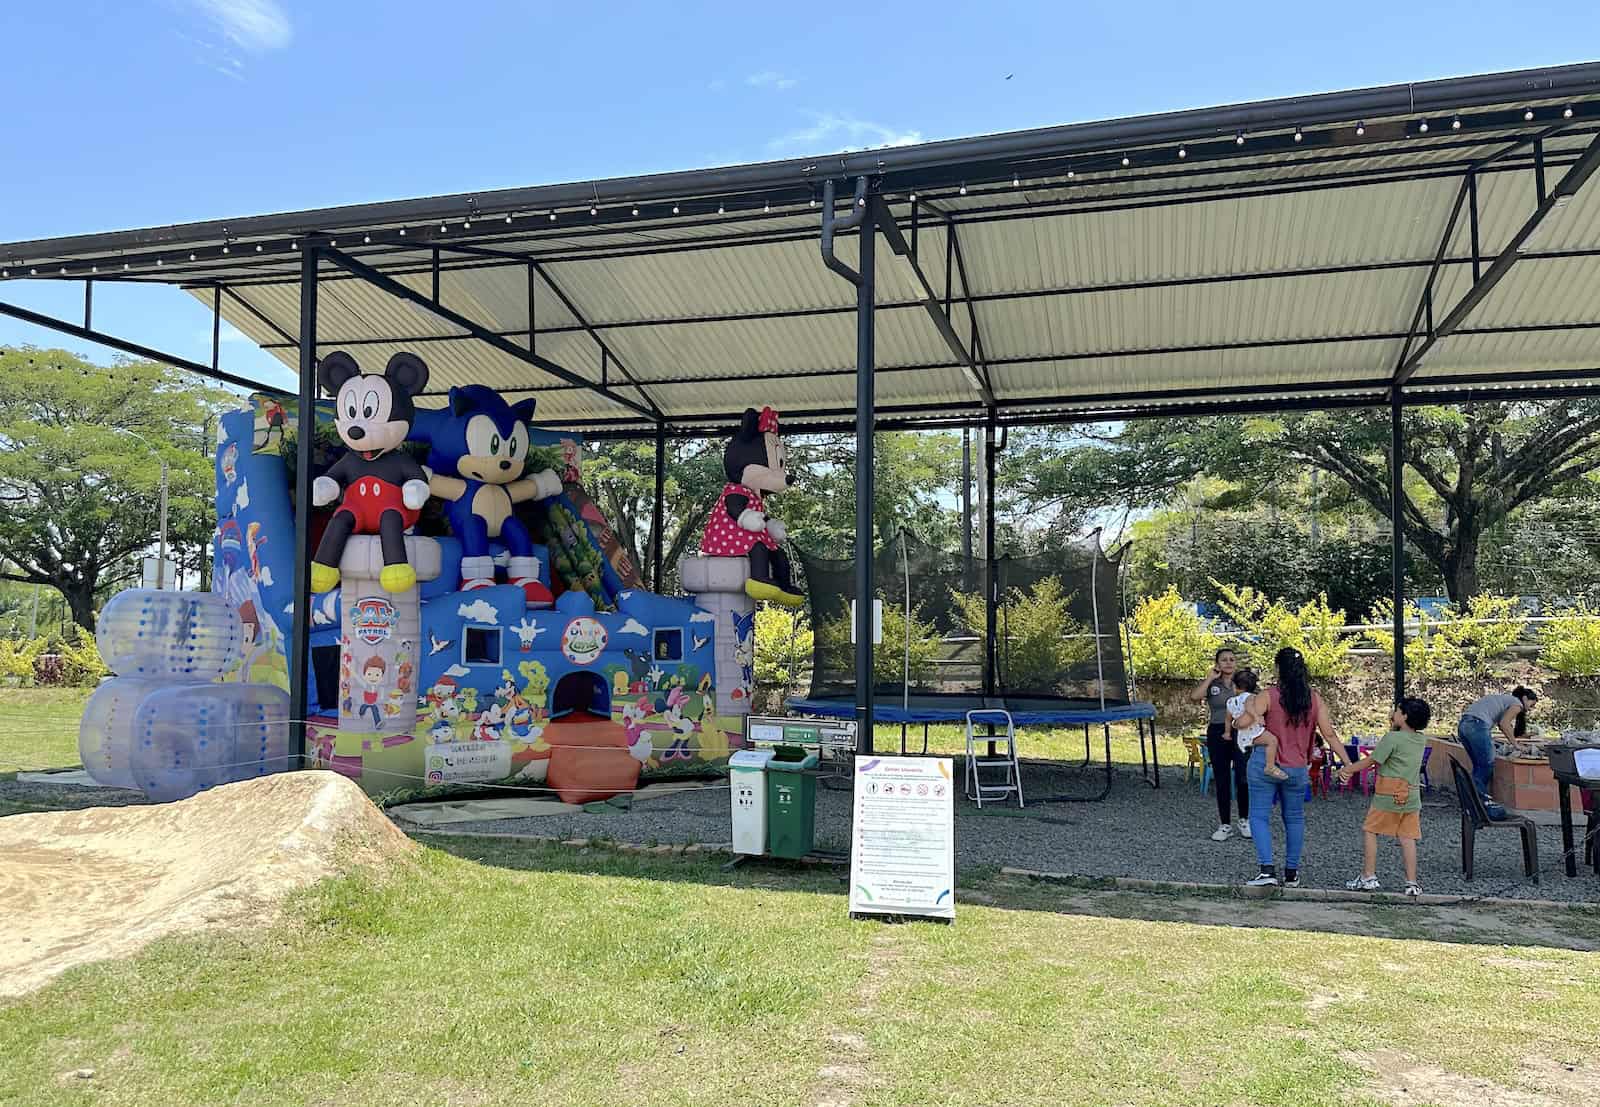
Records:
x=81, y=666
x=1167, y=640
x=1313, y=628
x=889, y=657
x=783, y=650
x=1453, y=643
x=17, y=657
x=1041, y=640
x=1570, y=643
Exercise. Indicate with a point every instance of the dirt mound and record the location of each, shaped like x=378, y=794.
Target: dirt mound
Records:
x=86, y=885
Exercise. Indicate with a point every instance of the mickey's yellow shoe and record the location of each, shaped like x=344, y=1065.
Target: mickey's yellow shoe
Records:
x=324, y=578
x=397, y=578
x=766, y=590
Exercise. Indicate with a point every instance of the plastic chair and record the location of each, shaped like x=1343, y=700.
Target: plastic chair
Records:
x=1199, y=762
x=1475, y=817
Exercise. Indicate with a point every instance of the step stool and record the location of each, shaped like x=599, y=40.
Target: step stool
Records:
x=976, y=789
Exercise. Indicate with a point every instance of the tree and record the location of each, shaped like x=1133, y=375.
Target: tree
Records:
x=80, y=496
x=1470, y=467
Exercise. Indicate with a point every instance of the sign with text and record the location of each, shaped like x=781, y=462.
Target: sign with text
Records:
x=458, y=762
x=827, y=736
x=902, y=841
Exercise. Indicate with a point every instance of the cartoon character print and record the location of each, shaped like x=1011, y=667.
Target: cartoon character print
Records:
x=490, y=720
x=683, y=727
x=744, y=652
x=755, y=462
x=269, y=422
x=371, y=677
x=633, y=729
x=478, y=454
x=380, y=487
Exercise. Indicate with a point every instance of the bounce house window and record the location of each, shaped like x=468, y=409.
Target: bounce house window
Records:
x=582, y=691
x=481, y=646
x=669, y=645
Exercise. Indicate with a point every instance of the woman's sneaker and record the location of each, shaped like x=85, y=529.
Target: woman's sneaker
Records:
x=1222, y=833
x=1291, y=879
x=1364, y=884
x=1262, y=880
x=1243, y=827
x=1413, y=889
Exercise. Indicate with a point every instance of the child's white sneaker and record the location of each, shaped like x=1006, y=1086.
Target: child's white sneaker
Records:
x=1364, y=884
x=1222, y=833
x=1243, y=827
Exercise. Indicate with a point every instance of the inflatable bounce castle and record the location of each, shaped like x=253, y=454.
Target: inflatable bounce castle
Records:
x=474, y=618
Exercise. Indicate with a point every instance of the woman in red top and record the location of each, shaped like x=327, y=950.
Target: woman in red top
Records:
x=1294, y=713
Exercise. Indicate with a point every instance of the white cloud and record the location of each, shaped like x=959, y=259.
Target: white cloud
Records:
x=634, y=626
x=771, y=78
x=457, y=671
x=253, y=25
x=241, y=498
x=841, y=132
x=702, y=617
x=479, y=611
x=266, y=576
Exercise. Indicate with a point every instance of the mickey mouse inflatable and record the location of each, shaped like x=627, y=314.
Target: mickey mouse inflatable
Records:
x=756, y=462
x=380, y=488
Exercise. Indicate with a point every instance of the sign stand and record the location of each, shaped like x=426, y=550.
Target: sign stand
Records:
x=902, y=839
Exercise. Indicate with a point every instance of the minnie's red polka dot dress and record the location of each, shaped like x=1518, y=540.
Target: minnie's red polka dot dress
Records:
x=724, y=537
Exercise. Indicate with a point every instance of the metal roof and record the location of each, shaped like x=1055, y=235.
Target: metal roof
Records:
x=1300, y=250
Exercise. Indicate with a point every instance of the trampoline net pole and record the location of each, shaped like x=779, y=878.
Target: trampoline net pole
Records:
x=905, y=572
x=1094, y=596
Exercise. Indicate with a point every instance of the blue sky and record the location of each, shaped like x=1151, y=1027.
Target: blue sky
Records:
x=129, y=113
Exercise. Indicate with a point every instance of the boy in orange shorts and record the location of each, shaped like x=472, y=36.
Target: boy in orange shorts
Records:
x=1396, y=795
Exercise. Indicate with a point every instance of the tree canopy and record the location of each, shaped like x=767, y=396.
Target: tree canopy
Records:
x=80, y=494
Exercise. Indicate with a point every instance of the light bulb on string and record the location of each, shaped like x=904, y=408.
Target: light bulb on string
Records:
x=674, y=209
x=225, y=249
x=1566, y=112
x=508, y=220
x=963, y=188
x=443, y=228
x=1299, y=135
x=1527, y=116
x=552, y=217
x=1422, y=128
x=366, y=238
x=594, y=209
x=402, y=235
x=258, y=245
x=1361, y=128
x=766, y=208
x=1182, y=153
x=1238, y=139
x=1016, y=181
x=636, y=213
x=719, y=209
x=1125, y=161
x=466, y=224
x=1455, y=124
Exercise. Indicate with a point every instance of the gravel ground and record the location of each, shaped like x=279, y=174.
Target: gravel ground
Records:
x=56, y=797
x=1134, y=832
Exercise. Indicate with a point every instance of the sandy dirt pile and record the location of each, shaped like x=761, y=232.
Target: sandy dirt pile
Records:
x=79, y=886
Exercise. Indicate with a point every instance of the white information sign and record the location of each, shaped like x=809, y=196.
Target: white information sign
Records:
x=902, y=846
x=454, y=762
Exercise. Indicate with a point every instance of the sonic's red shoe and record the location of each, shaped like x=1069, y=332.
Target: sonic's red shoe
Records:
x=524, y=573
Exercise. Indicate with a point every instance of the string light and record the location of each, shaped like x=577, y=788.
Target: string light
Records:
x=402, y=235
x=5, y=272
x=366, y=238
x=1238, y=139
x=443, y=228
x=161, y=261
x=813, y=203
x=766, y=208
x=225, y=249
x=1361, y=128
x=466, y=224
x=191, y=257
x=94, y=269
x=594, y=209
x=963, y=188
x=258, y=245
x=333, y=242
x=1071, y=173
x=675, y=209
x=1182, y=153
x=1527, y=116
x=1125, y=162
x=32, y=272
x=294, y=245
x=1423, y=127
x=636, y=213
x=63, y=270
x=1455, y=124
x=552, y=215
x=1566, y=112
x=1016, y=181
x=508, y=220
x=719, y=209
x=913, y=197
x=124, y=267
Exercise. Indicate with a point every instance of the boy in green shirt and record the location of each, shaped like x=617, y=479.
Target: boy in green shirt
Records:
x=1396, y=795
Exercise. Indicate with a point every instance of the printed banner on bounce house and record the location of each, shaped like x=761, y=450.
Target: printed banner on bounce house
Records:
x=902, y=843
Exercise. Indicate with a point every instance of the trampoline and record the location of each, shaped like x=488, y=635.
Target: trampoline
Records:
x=1038, y=637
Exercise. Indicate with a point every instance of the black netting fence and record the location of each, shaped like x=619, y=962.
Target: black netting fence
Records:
x=1057, y=632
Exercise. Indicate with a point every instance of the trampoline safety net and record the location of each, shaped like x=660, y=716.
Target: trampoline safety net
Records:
x=1058, y=625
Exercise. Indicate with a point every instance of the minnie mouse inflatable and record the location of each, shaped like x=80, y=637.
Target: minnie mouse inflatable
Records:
x=756, y=462
x=380, y=487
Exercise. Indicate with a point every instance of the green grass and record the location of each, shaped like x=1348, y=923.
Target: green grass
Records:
x=499, y=972
x=1045, y=743
x=39, y=727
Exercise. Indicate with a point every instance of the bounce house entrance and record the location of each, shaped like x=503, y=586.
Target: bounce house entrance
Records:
x=581, y=692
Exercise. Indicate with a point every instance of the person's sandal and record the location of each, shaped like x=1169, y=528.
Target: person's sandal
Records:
x=1364, y=884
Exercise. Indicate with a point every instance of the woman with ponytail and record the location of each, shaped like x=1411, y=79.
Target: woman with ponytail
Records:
x=1293, y=712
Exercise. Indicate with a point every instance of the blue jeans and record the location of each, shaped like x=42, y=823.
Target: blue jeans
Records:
x=1478, y=737
x=1291, y=795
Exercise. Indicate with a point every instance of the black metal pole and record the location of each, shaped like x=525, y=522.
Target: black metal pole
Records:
x=865, y=300
x=305, y=423
x=991, y=578
x=657, y=516
x=1397, y=541
x=216, y=328
x=966, y=509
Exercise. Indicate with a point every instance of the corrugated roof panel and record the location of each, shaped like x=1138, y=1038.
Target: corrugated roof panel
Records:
x=1527, y=350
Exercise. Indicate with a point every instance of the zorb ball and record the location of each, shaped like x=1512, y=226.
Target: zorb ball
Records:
x=260, y=728
x=146, y=632
x=105, y=735
x=183, y=741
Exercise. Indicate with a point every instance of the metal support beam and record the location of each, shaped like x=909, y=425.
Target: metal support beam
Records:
x=1425, y=302
x=1397, y=541
x=1472, y=201
x=977, y=377
x=1573, y=180
x=88, y=305
x=216, y=328
x=608, y=356
x=289, y=340
x=134, y=348
x=658, y=514
x=488, y=337
x=305, y=423
x=991, y=578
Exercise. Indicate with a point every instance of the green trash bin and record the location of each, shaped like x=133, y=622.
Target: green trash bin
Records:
x=791, y=802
